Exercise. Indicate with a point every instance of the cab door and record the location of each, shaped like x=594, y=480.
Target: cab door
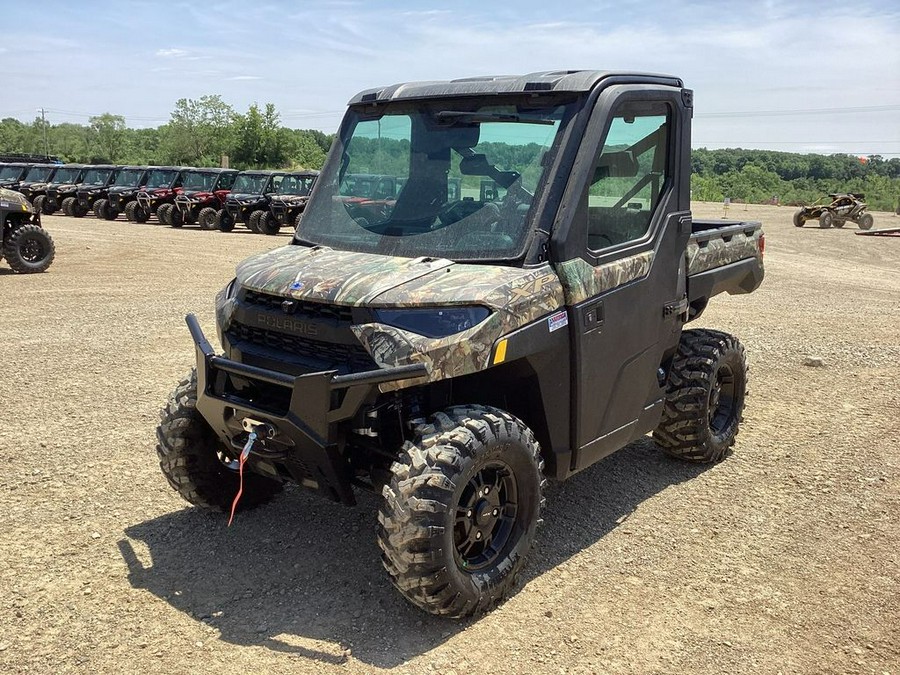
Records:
x=624, y=291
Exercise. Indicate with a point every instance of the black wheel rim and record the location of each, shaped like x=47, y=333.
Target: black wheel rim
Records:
x=485, y=517
x=32, y=250
x=722, y=404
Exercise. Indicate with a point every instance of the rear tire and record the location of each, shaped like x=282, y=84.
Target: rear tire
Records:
x=131, y=211
x=826, y=220
x=29, y=249
x=207, y=218
x=866, y=221
x=193, y=459
x=297, y=220
x=38, y=203
x=704, y=397
x=224, y=221
x=799, y=220
x=268, y=224
x=461, y=510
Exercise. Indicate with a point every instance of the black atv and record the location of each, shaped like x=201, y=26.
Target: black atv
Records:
x=249, y=199
x=287, y=203
x=11, y=175
x=92, y=194
x=35, y=182
x=64, y=184
x=129, y=181
x=25, y=244
x=204, y=193
x=163, y=185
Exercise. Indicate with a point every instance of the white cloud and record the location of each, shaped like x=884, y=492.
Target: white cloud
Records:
x=236, y=78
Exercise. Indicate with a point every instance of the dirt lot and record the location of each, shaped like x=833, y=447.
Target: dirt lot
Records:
x=785, y=557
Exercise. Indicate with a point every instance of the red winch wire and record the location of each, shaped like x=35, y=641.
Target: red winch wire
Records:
x=240, y=491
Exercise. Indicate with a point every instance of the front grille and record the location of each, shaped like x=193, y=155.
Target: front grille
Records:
x=306, y=310
x=353, y=358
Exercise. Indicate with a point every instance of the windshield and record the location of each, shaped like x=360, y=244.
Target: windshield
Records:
x=194, y=180
x=129, y=177
x=250, y=183
x=39, y=174
x=96, y=176
x=440, y=178
x=10, y=172
x=161, y=178
x=65, y=175
x=295, y=185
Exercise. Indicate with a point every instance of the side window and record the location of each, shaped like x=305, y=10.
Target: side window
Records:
x=227, y=181
x=629, y=174
x=275, y=184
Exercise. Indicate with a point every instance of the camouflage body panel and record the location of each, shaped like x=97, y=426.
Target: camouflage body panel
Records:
x=582, y=281
x=716, y=252
x=14, y=201
x=320, y=274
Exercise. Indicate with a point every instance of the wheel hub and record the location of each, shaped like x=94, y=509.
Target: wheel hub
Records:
x=485, y=517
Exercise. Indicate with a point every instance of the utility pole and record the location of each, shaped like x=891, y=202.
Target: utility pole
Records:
x=44, y=128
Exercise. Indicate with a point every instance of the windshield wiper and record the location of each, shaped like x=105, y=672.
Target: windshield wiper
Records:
x=454, y=116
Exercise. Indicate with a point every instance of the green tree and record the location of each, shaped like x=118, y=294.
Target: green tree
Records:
x=108, y=135
x=199, y=131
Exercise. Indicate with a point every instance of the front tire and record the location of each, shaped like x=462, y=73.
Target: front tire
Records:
x=163, y=212
x=67, y=206
x=29, y=249
x=799, y=220
x=174, y=216
x=192, y=458
x=253, y=221
x=461, y=510
x=207, y=218
x=131, y=212
x=866, y=221
x=704, y=398
x=141, y=214
x=100, y=209
x=39, y=203
x=826, y=220
x=224, y=221
x=268, y=225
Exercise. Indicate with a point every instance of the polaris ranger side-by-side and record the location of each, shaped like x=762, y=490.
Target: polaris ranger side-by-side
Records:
x=34, y=184
x=249, y=199
x=12, y=174
x=204, y=193
x=64, y=184
x=451, y=354
x=94, y=187
x=162, y=186
x=27, y=247
x=129, y=181
x=286, y=204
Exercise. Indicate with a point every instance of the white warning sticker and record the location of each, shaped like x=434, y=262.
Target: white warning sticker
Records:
x=558, y=320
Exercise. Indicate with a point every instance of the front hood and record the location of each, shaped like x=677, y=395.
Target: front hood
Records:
x=241, y=196
x=10, y=199
x=517, y=296
x=121, y=190
x=61, y=187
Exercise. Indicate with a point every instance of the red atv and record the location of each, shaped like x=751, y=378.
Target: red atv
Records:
x=163, y=185
x=204, y=192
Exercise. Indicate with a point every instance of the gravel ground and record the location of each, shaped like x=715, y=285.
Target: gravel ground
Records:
x=785, y=557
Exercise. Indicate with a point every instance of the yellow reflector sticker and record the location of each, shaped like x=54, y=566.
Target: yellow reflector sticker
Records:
x=500, y=354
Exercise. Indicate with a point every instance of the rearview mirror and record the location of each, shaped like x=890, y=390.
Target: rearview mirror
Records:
x=620, y=164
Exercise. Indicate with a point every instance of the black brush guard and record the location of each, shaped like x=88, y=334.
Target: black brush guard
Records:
x=304, y=412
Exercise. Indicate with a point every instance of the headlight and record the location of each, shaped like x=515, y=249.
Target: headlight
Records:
x=433, y=322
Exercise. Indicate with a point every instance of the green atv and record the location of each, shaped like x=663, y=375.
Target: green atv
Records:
x=25, y=244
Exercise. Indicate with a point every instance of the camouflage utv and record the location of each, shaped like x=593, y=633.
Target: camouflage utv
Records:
x=841, y=208
x=25, y=244
x=449, y=348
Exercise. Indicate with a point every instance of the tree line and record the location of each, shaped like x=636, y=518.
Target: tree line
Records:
x=200, y=131
x=758, y=176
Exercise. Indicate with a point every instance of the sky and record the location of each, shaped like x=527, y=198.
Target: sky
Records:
x=796, y=76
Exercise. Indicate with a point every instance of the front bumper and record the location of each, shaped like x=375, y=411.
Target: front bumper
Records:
x=305, y=411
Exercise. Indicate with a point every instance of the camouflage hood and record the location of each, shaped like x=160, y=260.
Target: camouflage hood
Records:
x=516, y=295
x=322, y=274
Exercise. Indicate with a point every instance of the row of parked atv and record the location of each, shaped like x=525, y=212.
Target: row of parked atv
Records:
x=262, y=201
